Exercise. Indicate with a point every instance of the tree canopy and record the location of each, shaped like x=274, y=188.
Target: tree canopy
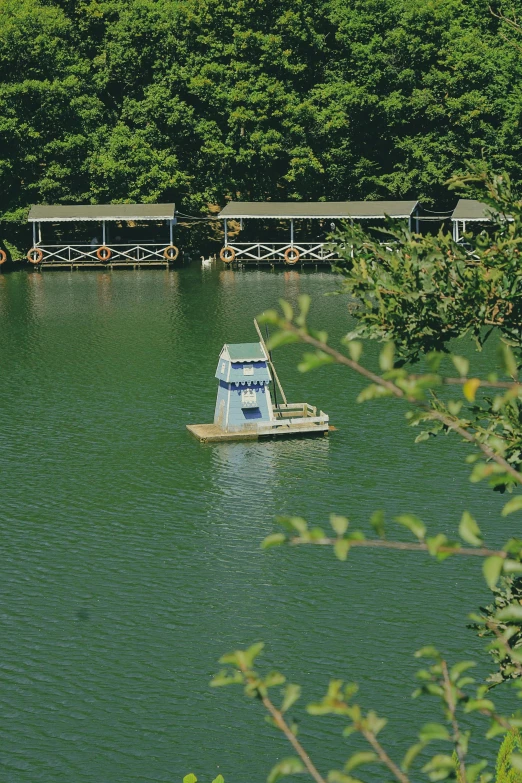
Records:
x=197, y=101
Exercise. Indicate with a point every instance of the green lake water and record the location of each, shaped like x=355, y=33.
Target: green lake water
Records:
x=130, y=556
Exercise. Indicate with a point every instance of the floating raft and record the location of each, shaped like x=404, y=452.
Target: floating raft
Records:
x=297, y=419
x=244, y=407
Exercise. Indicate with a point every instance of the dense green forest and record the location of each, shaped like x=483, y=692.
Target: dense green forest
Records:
x=198, y=101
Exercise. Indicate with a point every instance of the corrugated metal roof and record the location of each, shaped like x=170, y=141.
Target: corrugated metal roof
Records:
x=58, y=212
x=469, y=209
x=246, y=352
x=318, y=209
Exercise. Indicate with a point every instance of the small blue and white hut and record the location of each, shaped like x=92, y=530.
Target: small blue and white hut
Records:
x=243, y=397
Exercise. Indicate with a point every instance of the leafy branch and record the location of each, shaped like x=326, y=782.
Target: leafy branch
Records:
x=396, y=382
x=505, y=561
x=438, y=680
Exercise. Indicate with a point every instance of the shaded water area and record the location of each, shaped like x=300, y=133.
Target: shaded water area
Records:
x=130, y=552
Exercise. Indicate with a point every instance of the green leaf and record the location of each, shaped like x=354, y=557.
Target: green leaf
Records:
x=339, y=777
x=251, y=653
x=372, y=392
x=339, y=524
x=516, y=761
x=355, y=349
x=491, y=568
x=507, y=360
x=474, y=770
x=439, y=767
x=311, y=361
x=512, y=567
x=386, y=357
x=281, y=338
x=461, y=365
x=286, y=307
x=377, y=522
x=510, y=613
x=375, y=723
x=293, y=523
x=458, y=668
x=341, y=548
x=515, y=504
x=190, y=778
x=289, y=766
x=362, y=757
x=413, y=523
x=290, y=695
x=304, y=301
x=274, y=539
x=219, y=779
x=412, y=754
x=274, y=678
x=428, y=652
x=469, y=531
x=434, y=731
x=433, y=359
x=269, y=317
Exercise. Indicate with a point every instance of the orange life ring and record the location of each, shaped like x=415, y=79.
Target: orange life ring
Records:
x=104, y=253
x=292, y=255
x=3, y=257
x=227, y=259
x=171, y=253
x=35, y=255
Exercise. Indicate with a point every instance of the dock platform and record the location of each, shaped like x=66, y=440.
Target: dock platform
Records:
x=285, y=425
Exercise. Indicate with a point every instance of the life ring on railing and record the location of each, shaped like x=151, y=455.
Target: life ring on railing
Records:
x=292, y=255
x=171, y=253
x=35, y=255
x=227, y=259
x=3, y=257
x=104, y=253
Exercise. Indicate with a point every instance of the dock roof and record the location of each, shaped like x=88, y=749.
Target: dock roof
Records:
x=58, y=213
x=470, y=209
x=359, y=210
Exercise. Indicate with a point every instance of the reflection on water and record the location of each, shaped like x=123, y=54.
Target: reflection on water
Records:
x=131, y=556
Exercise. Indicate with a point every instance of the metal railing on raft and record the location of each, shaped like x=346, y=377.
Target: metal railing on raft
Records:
x=295, y=414
x=139, y=253
x=277, y=252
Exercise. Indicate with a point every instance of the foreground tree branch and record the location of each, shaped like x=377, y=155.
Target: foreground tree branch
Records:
x=451, y=422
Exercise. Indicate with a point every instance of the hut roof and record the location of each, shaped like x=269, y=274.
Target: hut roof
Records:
x=245, y=352
x=58, y=213
x=359, y=210
x=470, y=209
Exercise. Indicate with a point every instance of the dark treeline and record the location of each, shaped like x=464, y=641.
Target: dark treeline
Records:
x=201, y=100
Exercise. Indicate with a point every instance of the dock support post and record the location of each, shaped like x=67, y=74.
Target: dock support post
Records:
x=103, y=232
x=34, y=234
x=226, y=232
x=417, y=220
x=171, y=229
x=291, y=233
x=456, y=230
x=39, y=233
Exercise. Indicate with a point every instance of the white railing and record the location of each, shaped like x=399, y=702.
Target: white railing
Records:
x=285, y=418
x=140, y=253
x=274, y=252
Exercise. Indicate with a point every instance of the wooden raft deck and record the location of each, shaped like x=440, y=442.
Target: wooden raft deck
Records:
x=284, y=426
